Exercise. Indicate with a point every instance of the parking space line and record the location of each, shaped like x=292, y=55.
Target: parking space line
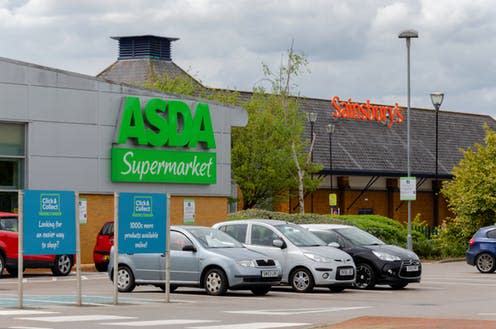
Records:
x=254, y=325
x=77, y=318
x=297, y=310
x=157, y=323
x=25, y=312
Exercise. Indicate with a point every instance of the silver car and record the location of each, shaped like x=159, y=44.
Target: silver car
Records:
x=200, y=257
x=306, y=260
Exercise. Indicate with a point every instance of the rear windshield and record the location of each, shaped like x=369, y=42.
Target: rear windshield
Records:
x=8, y=224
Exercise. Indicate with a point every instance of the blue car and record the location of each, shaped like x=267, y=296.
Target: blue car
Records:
x=481, y=251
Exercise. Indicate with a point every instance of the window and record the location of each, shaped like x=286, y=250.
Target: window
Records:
x=237, y=231
x=491, y=234
x=178, y=241
x=12, y=155
x=263, y=236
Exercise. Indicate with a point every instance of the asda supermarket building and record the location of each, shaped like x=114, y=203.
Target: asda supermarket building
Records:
x=65, y=131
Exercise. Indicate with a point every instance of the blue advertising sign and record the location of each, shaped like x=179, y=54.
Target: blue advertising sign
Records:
x=49, y=222
x=142, y=222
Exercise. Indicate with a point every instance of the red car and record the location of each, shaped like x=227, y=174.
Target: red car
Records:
x=61, y=265
x=104, y=241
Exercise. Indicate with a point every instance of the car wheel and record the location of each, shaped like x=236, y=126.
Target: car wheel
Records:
x=215, y=282
x=302, y=280
x=101, y=267
x=63, y=265
x=2, y=265
x=12, y=271
x=260, y=291
x=365, y=278
x=485, y=263
x=337, y=289
x=125, y=279
x=399, y=285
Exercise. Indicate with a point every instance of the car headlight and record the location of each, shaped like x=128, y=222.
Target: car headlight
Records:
x=385, y=256
x=318, y=258
x=247, y=263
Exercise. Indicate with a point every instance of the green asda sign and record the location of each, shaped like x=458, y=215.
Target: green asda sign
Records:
x=161, y=136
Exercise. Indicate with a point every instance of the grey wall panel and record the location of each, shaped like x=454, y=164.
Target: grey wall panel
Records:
x=77, y=174
x=14, y=102
x=63, y=105
x=71, y=129
x=12, y=72
x=63, y=140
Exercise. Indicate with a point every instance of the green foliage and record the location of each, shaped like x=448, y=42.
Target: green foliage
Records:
x=471, y=195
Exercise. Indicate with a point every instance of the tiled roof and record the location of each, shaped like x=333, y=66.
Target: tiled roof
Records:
x=366, y=148
x=371, y=148
x=138, y=71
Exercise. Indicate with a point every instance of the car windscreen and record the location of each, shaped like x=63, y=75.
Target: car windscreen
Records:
x=359, y=237
x=212, y=238
x=8, y=224
x=299, y=236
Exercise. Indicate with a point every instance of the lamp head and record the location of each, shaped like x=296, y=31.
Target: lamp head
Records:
x=437, y=99
x=312, y=117
x=408, y=34
x=330, y=128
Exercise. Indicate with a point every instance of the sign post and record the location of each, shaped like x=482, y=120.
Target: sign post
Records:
x=47, y=226
x=142, y=226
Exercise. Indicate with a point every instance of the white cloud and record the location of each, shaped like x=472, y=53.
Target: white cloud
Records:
x=352, y=45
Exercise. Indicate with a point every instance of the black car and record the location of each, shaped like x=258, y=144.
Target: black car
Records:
x=377, y=263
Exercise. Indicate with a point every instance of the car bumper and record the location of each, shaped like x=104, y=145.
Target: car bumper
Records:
x=400, y=271
x=252, y=277
x=339, y=276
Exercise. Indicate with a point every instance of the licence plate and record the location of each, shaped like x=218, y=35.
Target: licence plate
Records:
x=412, y=268
x=270, y=274
x=346, y=271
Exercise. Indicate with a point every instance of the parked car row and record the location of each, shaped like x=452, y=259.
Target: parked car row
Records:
x=257, y=254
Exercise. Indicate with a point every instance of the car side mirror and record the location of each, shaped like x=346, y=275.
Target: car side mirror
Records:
x=278, y=243
x=334, y=244
x=189, y=247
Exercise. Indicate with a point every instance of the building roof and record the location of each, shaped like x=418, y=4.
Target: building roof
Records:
x=366, y=148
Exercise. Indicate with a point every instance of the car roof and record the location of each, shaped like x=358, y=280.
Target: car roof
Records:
x=326, y=226
x=7, y=214
x=255, y=220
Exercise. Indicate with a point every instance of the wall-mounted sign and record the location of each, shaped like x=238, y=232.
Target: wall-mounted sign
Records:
x=408, y=188
x=49, y=222
x=367, y=112
x=160, y=126
x=189, y=211
x=142, y=222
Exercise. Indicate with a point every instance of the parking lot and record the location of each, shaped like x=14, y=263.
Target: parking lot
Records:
x=451, y=290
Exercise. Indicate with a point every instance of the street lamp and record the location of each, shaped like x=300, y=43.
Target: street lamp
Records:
x=407, y=35
x=330, y=130
x=437, y=100
x=312, y=117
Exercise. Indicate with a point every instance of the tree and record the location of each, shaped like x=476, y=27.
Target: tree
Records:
x=282, y=86
x=471, y=195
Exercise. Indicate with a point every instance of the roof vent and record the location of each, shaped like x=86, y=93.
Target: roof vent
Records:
x=145, y=46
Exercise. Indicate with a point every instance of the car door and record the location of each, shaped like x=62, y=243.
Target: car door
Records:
x=185, y=264
x=261, y=239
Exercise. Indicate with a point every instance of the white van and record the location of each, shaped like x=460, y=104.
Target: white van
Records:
x=306, y=260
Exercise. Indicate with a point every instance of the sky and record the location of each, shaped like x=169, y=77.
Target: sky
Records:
x=352, y=46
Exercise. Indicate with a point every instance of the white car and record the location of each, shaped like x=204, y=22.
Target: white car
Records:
x=306, y=260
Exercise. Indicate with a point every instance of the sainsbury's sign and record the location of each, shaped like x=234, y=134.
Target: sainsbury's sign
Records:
x=367, y=112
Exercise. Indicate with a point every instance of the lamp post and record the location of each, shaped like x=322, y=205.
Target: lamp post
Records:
x=312, y=117
x=330, y=130
x=407, y=35
x=437, y=100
